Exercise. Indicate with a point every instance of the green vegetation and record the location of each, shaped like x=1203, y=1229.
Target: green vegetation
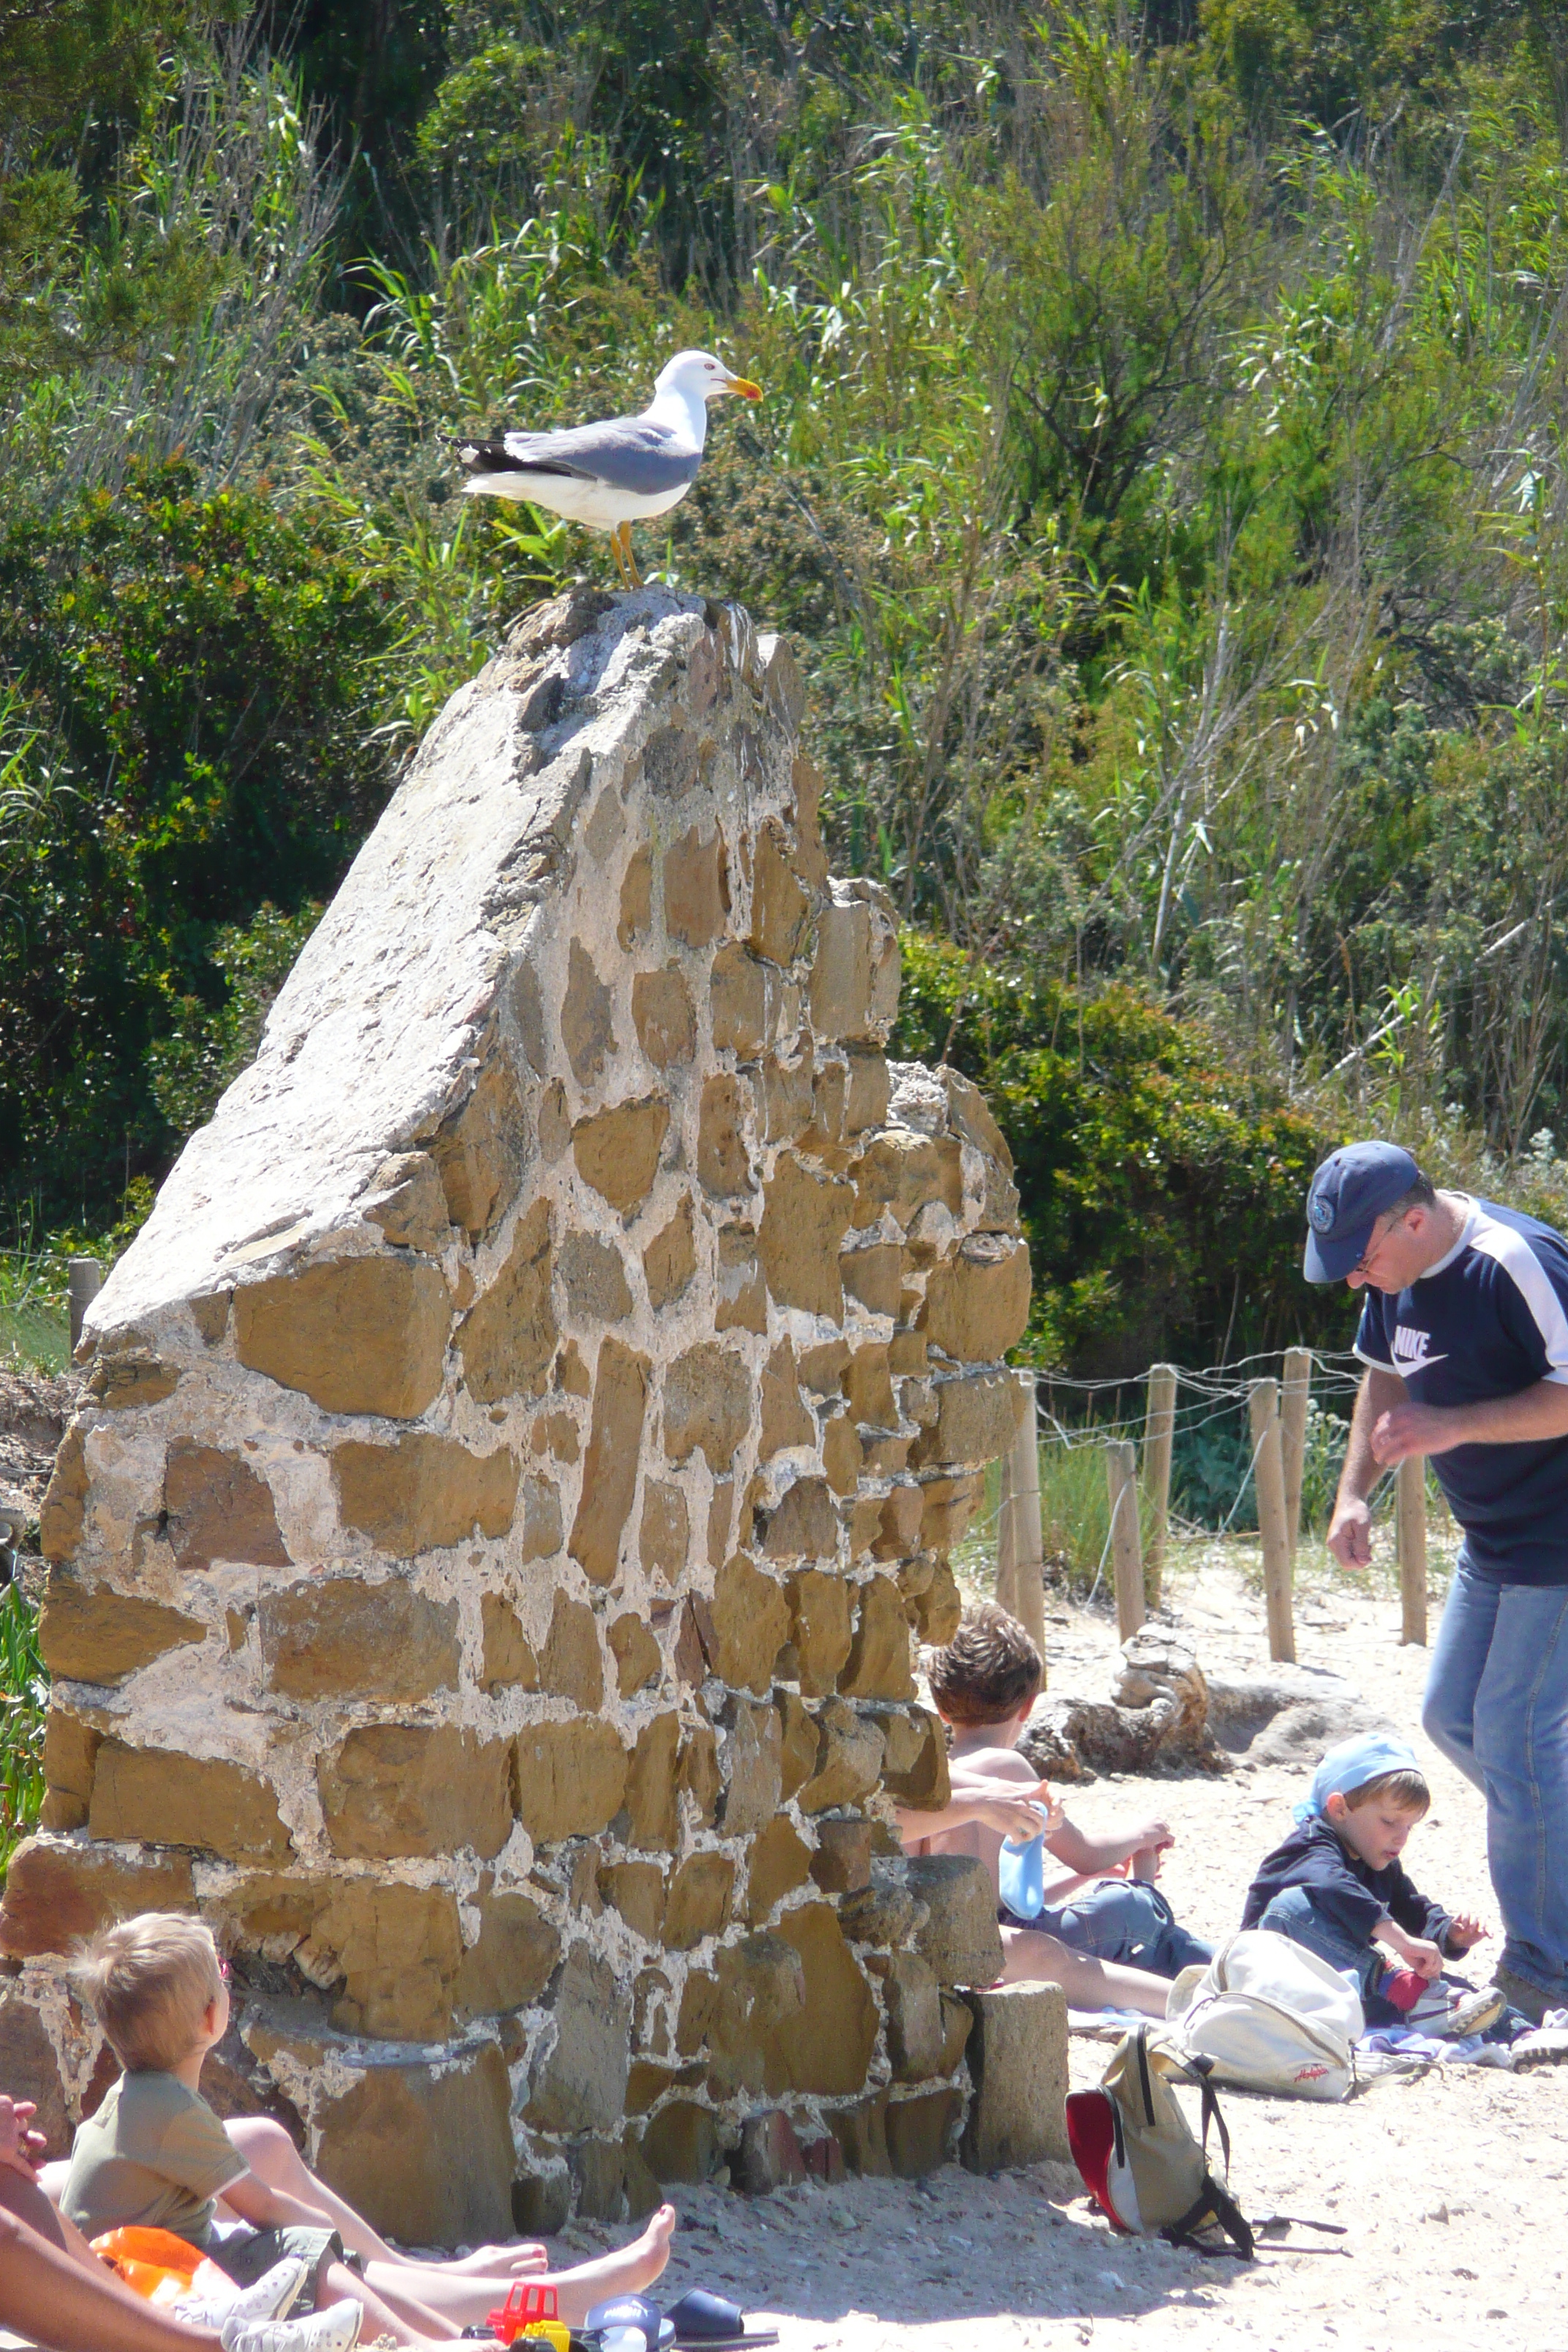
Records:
x=24, y=1695
x=1160, y=474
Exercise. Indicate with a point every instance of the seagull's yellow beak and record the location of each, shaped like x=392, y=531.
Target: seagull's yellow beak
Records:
x=745, y=387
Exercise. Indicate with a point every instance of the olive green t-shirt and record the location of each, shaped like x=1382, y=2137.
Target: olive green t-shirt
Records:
x=153, y=2155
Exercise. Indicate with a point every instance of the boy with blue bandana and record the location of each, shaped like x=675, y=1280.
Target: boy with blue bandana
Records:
x=1336, y=1886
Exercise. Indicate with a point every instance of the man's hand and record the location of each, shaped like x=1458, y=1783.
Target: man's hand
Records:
x=1464, y=1930
x=1413, y=1429
x=1349, y=1533
x=22, y=2150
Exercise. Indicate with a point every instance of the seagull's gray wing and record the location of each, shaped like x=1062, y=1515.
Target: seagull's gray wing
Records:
x=629, y=454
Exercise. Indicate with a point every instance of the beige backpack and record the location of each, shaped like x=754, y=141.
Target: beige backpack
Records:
x=1137, y=2154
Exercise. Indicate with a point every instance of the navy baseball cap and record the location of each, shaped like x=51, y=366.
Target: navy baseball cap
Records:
x=1348, y=1195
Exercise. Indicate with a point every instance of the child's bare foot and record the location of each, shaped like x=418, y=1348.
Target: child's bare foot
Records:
x=625, y=2270
x=526, y=2258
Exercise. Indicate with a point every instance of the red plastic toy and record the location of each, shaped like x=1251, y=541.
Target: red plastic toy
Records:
x=524, y=2307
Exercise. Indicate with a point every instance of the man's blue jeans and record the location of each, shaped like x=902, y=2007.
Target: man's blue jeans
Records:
x=1496, y=1705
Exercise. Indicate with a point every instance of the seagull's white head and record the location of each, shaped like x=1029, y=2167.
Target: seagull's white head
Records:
x=697, y=377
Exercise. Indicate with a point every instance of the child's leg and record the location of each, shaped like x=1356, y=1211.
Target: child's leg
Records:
x=385, y=2313
x=464, y=2301
x=273, y=2157
x=1089, y=1983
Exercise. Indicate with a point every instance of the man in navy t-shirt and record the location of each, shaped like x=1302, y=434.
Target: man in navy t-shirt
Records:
x=1464, y=1332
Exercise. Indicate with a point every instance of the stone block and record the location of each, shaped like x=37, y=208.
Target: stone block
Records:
x=71, y=1756
x=408, y=1201
x=899, y=1519
x=1018, y=2064
x=842, y=1862
x=869, y=1387
x=512, y=1961
x=571, y=1779
x=57, y=1892
x=915, y=2034
x=30, y=2069
x=423, y=1492
x=698, y=1776
x=60, y=1514
x=507, y=1340
x=598, y=2169
x=849, y=1759
x=129, y=1379
x=975, y=1420
x=786, y=1422
x=759, y=1989
x=751, y=1767
x=571, y=1665
x=878, y=1661
x=750, y=1617
x=593, y=1280
x=947, y=1506
x=669, y=1261
x=394, y=1788
x=696, y=889
x=91, y=1634
x=155, y=1795
x=957, y=2023
x=901, y=1172
x=479, y=1152
x=939, y=1608
x=397, y=1949
x=541, y=2202
x=680, y=2143
x=803, y=1525
x=665, y=1535
x=781, y=909
x=867, y=1092
x=821, y=1611
x=356, y=1335
x=920, y=2132
x=699, y=1901
x=610, y=1469
x=769, y=2155
x=423, y=2150
x=842, y=1456
x=637, y=898
x=860, y=2136
x=638, y=1658
x=824, y=2159
x=653, y=1810
x=742, y=1303
x=617, y=1151
x=587, y=1024
x=825, y=2046
x=779, y=1861
x=977, y=1303
x=959, y=1939
x=665, y=1016
x=336, y=1637
x=580, y=2081
x=509, y=1662
x=723, y=1160
x=219, y=1509
x=707, y=1405
x=914, y=1760
x=636, y=1889
x=799, y=1741
x=739, y=993
x=850, y=948
x=804, y=1217
x=882, y=1915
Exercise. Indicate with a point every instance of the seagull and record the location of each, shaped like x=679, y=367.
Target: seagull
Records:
x=623, y=471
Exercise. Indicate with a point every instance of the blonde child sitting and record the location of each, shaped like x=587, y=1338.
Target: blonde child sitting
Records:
x=156, y=2154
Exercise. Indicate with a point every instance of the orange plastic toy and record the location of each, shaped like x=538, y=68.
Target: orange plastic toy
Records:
x=153, y=2262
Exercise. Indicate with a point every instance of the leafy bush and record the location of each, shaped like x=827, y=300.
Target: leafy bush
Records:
x=24, y=1697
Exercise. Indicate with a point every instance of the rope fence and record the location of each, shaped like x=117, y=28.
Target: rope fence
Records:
x=1139, y=1452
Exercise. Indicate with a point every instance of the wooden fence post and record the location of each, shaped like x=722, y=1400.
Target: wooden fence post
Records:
x=84, y=1280
x=1020, y=1551
x=1159, y=1426
x=1294, y=1392
x=1268, y=1478
x=1410, y=1530
x=1126, y=1551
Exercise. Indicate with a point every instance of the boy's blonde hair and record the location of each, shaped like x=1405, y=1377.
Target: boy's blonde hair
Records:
x=1405, y=1791
x=148, y=1981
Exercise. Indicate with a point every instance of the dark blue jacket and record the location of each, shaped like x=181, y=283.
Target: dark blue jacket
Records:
x=1344, y=1888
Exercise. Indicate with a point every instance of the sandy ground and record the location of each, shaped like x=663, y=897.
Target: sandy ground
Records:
x=1450, y=2184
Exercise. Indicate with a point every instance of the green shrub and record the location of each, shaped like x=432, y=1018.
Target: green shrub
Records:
x=24, y=1696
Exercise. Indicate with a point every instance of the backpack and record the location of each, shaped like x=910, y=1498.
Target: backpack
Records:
x=1269, y=2015
x=1136, y=2152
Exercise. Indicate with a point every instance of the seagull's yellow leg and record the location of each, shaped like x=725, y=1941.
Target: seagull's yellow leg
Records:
x=631, y=559
x=620, y=560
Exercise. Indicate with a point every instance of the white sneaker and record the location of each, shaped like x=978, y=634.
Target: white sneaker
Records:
x=1466, y=2013
x=272, y=2296
x=336, y=2329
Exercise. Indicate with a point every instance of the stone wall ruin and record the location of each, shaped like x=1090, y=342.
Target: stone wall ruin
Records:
x=519, y=1454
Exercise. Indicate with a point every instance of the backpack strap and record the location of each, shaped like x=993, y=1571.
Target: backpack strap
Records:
x=1215, y=2204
